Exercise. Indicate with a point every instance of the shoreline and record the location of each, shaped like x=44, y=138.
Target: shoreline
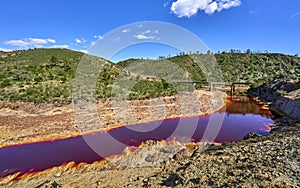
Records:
x=55, y=123
x=100, y=173
x=180, y=171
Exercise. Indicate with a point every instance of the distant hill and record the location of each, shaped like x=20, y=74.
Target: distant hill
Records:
x=258, y=68
x=241, y=67
x=46, y=75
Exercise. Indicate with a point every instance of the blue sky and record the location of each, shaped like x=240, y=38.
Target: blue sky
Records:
x=221, y=24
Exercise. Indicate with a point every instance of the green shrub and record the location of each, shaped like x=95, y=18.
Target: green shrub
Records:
x=5, y=83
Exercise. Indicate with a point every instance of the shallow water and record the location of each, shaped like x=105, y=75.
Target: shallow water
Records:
x=241, y=116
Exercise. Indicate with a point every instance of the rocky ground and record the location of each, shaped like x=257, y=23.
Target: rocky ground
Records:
x=282, y=95
x=268, y=161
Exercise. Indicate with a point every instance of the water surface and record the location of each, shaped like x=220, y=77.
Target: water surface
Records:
x=241, y=116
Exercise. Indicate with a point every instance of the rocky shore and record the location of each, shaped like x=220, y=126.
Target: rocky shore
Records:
x=283, y=96
x=269, y=161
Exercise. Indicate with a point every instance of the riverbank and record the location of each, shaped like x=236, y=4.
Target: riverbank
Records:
x=26, y=122
x=268, y=161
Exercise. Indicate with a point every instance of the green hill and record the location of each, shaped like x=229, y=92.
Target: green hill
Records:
x=240, y=67
x=46, y=75
x=258, y=68
x=39, y=75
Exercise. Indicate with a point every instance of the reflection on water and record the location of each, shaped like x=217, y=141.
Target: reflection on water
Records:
x=241, y=116
x=245, y=105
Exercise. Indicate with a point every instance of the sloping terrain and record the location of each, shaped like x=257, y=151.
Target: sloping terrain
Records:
x=46, y=75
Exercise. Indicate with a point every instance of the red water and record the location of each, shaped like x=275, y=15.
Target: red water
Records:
x=241, y=118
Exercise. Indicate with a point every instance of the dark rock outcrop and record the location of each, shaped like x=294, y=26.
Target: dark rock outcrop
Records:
x=278, y=94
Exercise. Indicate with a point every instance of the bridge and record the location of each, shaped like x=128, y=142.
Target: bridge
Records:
x=213, y=85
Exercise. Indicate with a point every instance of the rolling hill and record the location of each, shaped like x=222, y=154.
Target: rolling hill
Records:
x=46, y=75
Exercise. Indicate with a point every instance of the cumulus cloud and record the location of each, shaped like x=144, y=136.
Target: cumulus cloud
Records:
x=19, y=43
x=211, y=8
x=144, y=37
x=60, y=46
x=30, y=42
x=147, y=35
x=188, y=8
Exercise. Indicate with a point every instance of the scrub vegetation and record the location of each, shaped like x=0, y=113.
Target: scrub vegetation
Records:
x=46, y=75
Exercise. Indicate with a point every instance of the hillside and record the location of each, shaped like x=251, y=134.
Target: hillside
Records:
x=241, y=67
x=46, y=75
x=258, y=68
x=39, y=75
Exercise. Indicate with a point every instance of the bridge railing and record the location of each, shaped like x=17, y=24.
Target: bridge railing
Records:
x=212, y=85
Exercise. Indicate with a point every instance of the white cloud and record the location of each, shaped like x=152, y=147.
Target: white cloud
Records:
x=226, y=4
x=147, y=31
x=126, y=31
x=148, y=34
x=97, y=37
x=84, y=51
x=30, y=42
x=51, y=41
x=60, y=46
x=37, y=41
x=19, y=43
x=78, y=41
x=100, y=37
x=144, y=37
x=5, y=50
x=211, y=8
x=188, y=8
